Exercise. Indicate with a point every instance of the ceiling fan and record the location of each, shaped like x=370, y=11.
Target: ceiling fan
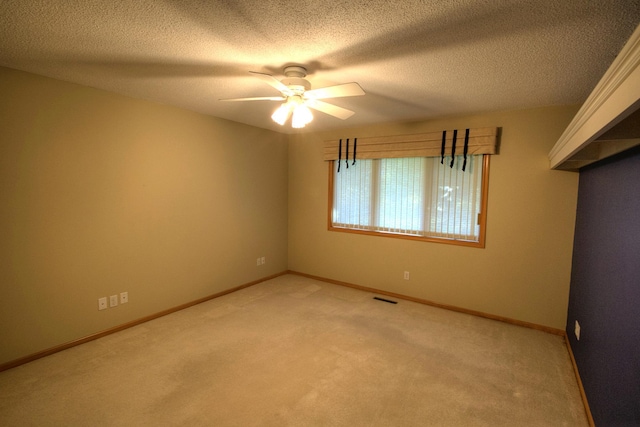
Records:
x=298, y=97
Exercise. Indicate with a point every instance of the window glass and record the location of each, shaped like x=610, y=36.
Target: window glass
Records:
x=417, y=196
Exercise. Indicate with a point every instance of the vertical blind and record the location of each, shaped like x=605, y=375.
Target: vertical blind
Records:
x=414, y=196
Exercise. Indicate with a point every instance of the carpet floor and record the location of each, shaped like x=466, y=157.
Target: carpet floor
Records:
x=293, y=351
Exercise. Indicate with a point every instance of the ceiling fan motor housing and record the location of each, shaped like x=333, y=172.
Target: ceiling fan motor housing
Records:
x=297, y=85
x=295, y=71
x=295, y=80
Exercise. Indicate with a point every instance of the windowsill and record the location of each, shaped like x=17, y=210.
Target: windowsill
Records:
x=447, y=241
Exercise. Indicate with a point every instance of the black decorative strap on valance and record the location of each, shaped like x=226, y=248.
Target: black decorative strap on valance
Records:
x=466, y=149
x=346, y=160
x=453, y=147
x=355, y=146
x=444, y=144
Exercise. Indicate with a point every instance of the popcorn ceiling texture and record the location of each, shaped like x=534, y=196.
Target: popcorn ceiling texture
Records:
x=416, y=59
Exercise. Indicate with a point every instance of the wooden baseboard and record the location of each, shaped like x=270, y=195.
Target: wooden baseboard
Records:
x=543, y=328
x=61, y=347
x=587, y=409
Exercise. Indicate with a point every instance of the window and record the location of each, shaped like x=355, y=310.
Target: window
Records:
x=413, y=197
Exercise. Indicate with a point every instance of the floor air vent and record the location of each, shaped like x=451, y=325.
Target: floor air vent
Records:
x=385, y=300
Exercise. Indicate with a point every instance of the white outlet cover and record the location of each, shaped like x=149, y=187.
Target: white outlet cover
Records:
x=124, y=297
x=113, y=300
x=102, y=303
x=263, y=260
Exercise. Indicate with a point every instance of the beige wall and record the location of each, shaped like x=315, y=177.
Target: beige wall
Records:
x=524, y=271
x=102, y=193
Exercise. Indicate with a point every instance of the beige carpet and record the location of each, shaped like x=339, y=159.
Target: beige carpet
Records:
x=298, y=352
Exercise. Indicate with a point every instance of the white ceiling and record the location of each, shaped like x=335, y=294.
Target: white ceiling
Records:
x=416, y=59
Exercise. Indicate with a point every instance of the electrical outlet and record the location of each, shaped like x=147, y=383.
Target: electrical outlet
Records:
x=113, y=300
x=124, y=297
x=102, y=303
x=577, y=330
x=258, y=262
x=406, y=275
x=263, y=260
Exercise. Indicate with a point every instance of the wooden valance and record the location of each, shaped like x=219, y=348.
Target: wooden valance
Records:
x=481, y=141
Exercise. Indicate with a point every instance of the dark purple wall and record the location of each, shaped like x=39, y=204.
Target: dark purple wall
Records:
x=605, y=289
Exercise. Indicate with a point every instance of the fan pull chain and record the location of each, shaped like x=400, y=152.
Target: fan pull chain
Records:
x=444, y=143
x=339, y=154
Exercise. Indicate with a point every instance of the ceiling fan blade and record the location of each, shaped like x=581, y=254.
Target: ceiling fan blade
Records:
x=258, y=98
x=332, y=110
x=337, y=91
x=272, y=81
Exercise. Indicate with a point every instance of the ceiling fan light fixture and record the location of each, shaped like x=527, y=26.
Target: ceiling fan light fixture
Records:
x=281, y=115
x=301, y=116
x=296, y=91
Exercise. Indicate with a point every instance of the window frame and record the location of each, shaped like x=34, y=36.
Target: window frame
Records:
x=482, y=216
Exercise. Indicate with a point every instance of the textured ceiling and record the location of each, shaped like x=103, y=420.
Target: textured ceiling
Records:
x=416, y=59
